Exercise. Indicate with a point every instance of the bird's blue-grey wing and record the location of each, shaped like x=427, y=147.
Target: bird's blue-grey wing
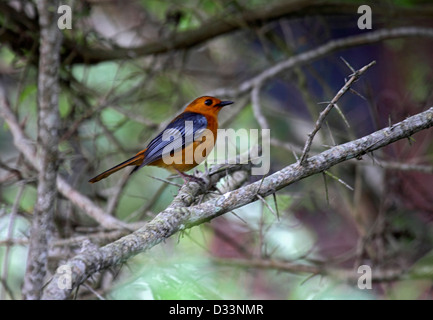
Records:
x=180, y=132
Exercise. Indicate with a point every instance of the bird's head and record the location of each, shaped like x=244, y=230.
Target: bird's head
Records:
x=207, y=105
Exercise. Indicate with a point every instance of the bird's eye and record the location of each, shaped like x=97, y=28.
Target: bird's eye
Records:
x=208, y=102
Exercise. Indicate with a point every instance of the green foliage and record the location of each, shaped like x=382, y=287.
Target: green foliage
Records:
x=179, y=271
x=423, y=267
x=117, y=107
x=64, y=106
x=28, y=198
x=29, y=92
x=16, y=263
x=183, y=270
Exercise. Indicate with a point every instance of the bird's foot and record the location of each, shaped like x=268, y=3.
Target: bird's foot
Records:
x=187, y=178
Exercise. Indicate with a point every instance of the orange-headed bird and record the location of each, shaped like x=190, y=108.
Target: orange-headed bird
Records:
x=202, y=113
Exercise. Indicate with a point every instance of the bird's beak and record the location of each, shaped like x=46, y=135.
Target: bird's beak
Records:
x=224, y=103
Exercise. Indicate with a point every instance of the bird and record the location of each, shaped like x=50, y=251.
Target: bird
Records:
x=187, y=133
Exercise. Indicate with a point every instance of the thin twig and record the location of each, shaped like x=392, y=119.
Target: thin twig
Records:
x=346, y=275
x=267, y=205
x=354, y=77
x=9, y=235
x=393, y=165
x=257, y=109
x=326, y=187
x=116, y=192
x=338, y=179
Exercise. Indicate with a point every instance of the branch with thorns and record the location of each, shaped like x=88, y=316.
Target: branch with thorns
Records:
x=353, y=78
x=178, y=217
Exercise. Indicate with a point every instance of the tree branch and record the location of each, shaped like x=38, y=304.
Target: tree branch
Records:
x=48, y=128
x=346, y=275
x=26, y=146
x=217, y=27
x=353, y=78
x=177, y=217
x=321, y=51
x=228, y=21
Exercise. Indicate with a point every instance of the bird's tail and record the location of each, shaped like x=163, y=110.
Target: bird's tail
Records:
x=134, y=161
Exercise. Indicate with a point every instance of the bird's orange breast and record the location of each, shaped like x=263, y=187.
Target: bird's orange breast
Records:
x=193, y=154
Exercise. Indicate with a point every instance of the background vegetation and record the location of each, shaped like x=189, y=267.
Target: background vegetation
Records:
x=126, y=67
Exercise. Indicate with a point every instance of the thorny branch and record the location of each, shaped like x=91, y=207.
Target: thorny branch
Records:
x=353, y=78
x=176, y=218
x=25, y=145
x=160, y=228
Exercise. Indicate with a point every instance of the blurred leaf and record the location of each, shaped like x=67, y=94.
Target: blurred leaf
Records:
x=28, y=198
x=111, y=117
x=17, y=255
x=423, y=268
x=64, y=106
x=325, y=288
x=28, y=92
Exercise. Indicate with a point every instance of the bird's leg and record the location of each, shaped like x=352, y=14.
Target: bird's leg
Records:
x=187, y=177
x=206, y=170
